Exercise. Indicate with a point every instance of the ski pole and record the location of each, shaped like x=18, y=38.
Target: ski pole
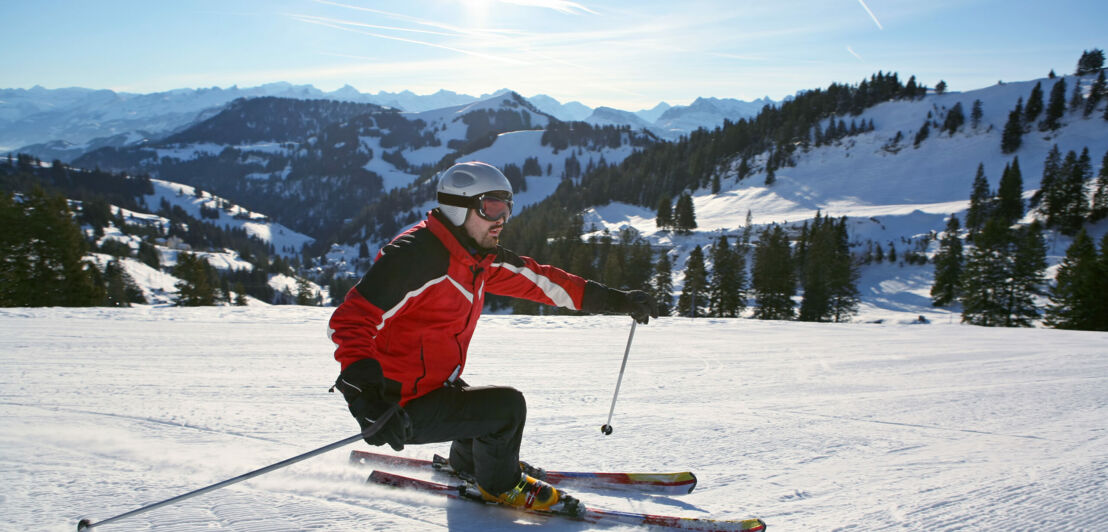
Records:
x=607, y=427
x=85, y=524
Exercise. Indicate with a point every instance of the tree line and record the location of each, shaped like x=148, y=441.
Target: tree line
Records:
x=999, y=271
x=1025, y=116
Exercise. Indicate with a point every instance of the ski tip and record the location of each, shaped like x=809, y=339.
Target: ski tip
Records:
x=692, y=485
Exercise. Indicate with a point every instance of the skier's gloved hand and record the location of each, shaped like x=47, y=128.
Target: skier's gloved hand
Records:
x=365, y=389
x=640, y=305
x=397, y=429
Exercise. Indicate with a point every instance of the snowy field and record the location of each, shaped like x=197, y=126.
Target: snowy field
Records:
x=862, y=426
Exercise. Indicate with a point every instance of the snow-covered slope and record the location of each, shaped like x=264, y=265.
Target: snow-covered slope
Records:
x=808, y=426
x=892, y=193
x=285, y=241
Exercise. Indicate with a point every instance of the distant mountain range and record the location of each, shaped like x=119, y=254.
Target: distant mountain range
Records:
x=65, y=123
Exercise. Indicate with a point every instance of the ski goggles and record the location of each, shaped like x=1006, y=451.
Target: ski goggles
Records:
x=491, y=206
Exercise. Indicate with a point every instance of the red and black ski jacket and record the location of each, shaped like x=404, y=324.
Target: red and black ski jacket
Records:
x=415, y=310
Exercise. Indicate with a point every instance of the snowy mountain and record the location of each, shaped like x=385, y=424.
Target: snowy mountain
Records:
x=607, y=116
x=707, y=113
x=567, y=112
x=320, y=167
x=66, y=123
x=654, y=113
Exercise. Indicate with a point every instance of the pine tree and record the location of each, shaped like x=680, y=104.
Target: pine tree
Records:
x=1003, y=274
x=844, y=274
x=305, y=296
x=922, y=134
x=728, y=283
x=1009, y=204
x=773, y=281
x=1070, y=191
x=149, y=255
x=1077, y=99
x=1012, y=137
x=980, y=201
x=748, y=229
x=1056, y=107
x=815, y=253
x=1034, y=104
x=196, y=287
x=42, y=255
x=1096, y=93
x=1100, y=291
x=955, y=117
x=976, y=114
x=240, y=294
x=15, y=256
x=1045, y=199
x=121, y=287
x=684, y=214
x=1028, y=278
x=1079, y=287
x=662, y=285
x=1100, y=193
x=948, y=266
x=694, y=295
x=984, y=279
x=638, y=260
x=664, y=219
x=1091, y=61
x=613, y=266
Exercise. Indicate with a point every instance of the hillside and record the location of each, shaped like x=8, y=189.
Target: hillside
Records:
x=894, y=193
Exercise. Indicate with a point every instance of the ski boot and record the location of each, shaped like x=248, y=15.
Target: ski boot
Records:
x=529, y=494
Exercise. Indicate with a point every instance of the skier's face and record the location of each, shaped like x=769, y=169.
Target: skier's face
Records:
x=484, y=232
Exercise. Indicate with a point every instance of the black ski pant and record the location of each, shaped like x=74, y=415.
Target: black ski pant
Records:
x=485, y=425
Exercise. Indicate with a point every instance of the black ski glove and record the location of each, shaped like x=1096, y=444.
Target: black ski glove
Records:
x=640, y=305
x=363, y=386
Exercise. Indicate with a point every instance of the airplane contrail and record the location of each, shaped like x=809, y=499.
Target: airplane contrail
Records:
x=871, y=15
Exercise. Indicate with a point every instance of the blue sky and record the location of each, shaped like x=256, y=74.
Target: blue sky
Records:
x=624, y=54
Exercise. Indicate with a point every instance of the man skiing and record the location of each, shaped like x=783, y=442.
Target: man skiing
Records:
x=402, y=333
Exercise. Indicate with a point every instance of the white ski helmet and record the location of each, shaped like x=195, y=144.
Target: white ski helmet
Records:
x=462, y=184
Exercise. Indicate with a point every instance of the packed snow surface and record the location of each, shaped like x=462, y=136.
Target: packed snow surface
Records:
x=869, y=426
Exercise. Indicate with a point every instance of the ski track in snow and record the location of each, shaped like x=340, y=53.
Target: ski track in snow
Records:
x=809, y=426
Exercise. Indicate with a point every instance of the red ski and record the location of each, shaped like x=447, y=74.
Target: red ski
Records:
x=657, y=483
x=575, y=510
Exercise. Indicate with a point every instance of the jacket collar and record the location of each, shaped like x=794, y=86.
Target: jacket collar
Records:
x=460, y=245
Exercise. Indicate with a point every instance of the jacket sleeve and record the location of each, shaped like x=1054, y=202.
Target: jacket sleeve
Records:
x=353, y=328
x=399, y=275
x=523, y=277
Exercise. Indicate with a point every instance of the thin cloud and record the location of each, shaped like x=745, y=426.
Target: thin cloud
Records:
x=343, y=26
x=336, y=22
x=417, y=20
x=569, y=8
x=853, y=53
x=871, y=15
